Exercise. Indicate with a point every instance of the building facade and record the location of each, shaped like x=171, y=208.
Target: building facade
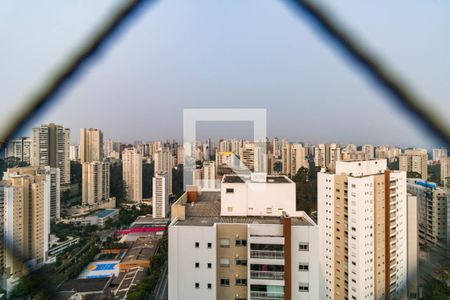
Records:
x=414, y=160
x=132, y=174
x=164, y=163
x=21, y=149
x=362, y=210
x=433, y=204
x=26, y=223
x=95, y=182
x=257, y=250
x=160, y=197
x=51, y=144
x=91, y=145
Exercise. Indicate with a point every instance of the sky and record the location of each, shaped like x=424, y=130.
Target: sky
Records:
x=180, y=54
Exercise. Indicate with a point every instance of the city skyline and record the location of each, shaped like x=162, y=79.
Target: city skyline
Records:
x=282, y=70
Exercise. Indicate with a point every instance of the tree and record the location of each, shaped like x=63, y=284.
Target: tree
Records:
x=177, y=181
x=434, y=173
x=117, y=184
x=148, y=171
x=277, y=167
x=306, y=188
x=76, y=173
x=413, y=175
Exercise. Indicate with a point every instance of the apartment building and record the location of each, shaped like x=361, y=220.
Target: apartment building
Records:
x=363, y=216
x=414, y=160
x=25, y=197
x=445, y=171
x=246, y=241
x=132, y=174
x=326, y=155
x=293, y=158
x=160, y=197
x=95, y=182
x=164, y=163
x=21, y=149
x=247, y=156
x=439, y=153
x=51, y=144
x=389, y=153
x=91, y=145
x=434, y=202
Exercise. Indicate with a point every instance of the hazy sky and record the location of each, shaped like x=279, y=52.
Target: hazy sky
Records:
x=228, y=53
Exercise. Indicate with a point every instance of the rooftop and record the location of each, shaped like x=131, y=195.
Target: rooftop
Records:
x=269, y=179
x=206, y=212
x=142, y=249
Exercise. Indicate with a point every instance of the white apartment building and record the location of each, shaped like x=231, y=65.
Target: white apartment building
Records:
x=414, y=160
x=164, y=163
x=74, y=152
x=160, y=197
x=95, y=182
x=362, y=211
x=433, y=208
x=209, y=175
x=132, y=174
x=261, y=248
x=439, y=153
x=20, y=148
x=91, y=145
x=51, y=145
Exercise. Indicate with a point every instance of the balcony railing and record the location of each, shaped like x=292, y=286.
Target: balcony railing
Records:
x=270, y=254
x=271, y=275
x=266, y=295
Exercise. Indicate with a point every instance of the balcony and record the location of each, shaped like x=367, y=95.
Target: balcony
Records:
x=271, y=275
x=266, y=295
x=267, y=254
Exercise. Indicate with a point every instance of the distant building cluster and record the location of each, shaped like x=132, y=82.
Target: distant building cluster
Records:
x=234, y=231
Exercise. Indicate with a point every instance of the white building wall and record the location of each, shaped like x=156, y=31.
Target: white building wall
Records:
x=258, y=199
x=182, y=258
x=402, y=233
x=361, y=237
x=325, y=199
x=310, y=235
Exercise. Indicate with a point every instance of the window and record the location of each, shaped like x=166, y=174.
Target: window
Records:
x=229, y=191
x=303, y=246
x=241, y=281
x=209, y=245
x=303, y=267
x=224, y=243
x=269, y=210
x=209, y=285
x=197, y=285
x=241, y=243
x=224, y=282
x=209, y=265
x=303, y=287
x=241, y=262
x=224, y=262
x=197, y=245
x=197, y=265
x=229, y=209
